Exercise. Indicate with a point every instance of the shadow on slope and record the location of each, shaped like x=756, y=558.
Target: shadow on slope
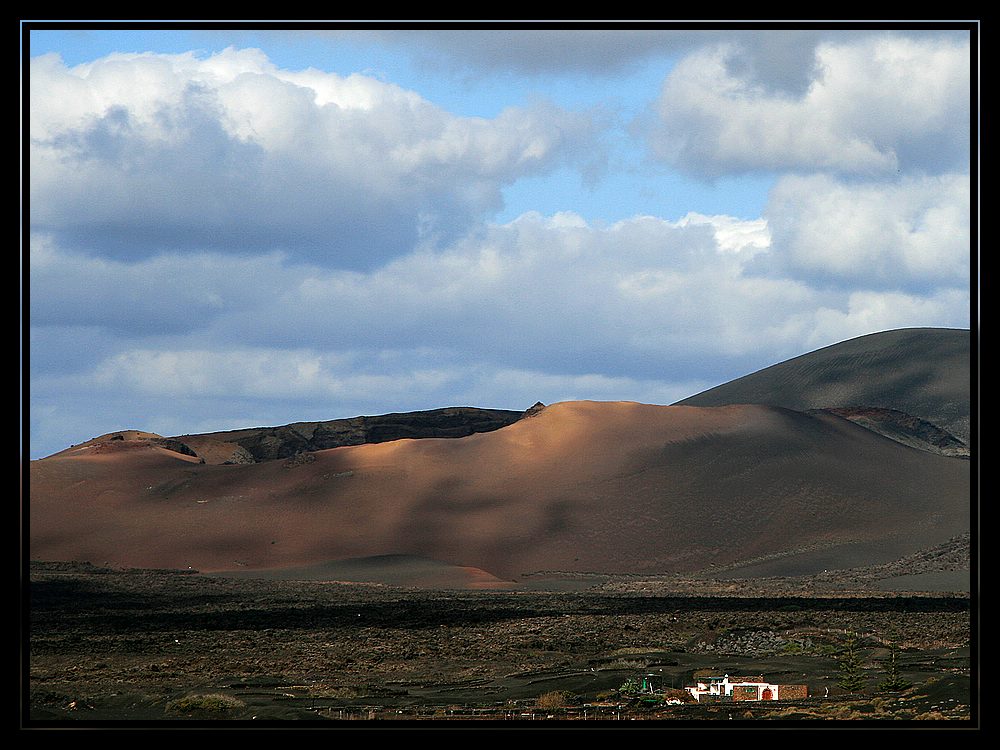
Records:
x=924, y=372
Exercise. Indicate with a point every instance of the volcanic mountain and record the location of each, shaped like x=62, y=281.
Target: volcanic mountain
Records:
x=923, y=373
x=614, y=487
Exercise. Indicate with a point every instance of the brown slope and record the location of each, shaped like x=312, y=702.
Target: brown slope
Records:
x=905, y=429
x=127, y=440
x=923, y=372
x=581, y=486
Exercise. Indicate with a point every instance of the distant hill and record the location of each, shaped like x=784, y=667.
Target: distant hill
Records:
x=801, y=468
x=580, y=486
x=921, y=372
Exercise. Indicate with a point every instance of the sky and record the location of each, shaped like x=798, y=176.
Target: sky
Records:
x=253, y=227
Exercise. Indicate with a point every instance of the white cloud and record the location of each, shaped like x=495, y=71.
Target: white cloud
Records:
x=542, y=308
x=905, y=234
x=593, y=51
x=164, y=294
x=147, y=152
x=520, y=388
x=540, y=294
x=866, y=312
x=255, y=373
x=875, y=105
x=732, y=235
x=779, y=60
x=347, y=378
x=218, y=242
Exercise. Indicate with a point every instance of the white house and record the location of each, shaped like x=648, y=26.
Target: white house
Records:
x=743, y=689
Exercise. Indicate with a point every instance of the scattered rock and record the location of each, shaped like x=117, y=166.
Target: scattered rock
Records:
x=298, y=459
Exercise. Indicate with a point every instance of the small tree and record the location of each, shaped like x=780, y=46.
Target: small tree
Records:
x=555, y=699
x=852, y=673
x=893, y=681
x=631, y=686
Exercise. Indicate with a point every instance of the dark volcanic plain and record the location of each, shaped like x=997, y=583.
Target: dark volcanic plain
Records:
x=485, y=564
x=168, y=647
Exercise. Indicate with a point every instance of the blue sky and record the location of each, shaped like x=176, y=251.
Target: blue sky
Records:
x=240, y=228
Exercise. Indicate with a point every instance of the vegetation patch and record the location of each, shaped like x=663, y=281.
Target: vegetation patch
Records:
x=205, y=704
x=556, y=699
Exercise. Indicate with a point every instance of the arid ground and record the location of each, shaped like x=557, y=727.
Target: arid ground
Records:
x=470, y=563
x=109, y=646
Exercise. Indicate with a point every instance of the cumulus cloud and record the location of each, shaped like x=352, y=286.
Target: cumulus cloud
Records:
x=544, y=307
x=598, y=52
x=733, y=235
x=148, y=152
x=874, y=106
x=907, y=234
x=352, y=379
x=174, y=392
x=540, y=293
x=868, y=311
x=217, y=242
x=294, y=374
x=170, y=293
x=537, y=292
x=777, y=60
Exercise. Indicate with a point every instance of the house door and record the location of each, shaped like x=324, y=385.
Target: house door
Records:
x=767, y=695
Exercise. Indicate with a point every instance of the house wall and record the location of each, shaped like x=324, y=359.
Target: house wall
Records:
x=791, y=692
x=745, y=692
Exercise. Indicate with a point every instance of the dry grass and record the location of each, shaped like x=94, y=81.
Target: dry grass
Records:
x=555, y=699
x=205, y=703
x=931, y=716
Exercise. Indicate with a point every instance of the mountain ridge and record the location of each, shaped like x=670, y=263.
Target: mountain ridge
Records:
x=617, y=487
x=923, y=372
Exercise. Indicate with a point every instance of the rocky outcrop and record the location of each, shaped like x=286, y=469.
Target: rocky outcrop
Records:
x=174, y=445
x=239, y=455
x=904, y=428
x=536, y=409
x=279, y=443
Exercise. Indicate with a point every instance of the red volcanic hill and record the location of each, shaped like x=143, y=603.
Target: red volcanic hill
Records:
x=577, y=486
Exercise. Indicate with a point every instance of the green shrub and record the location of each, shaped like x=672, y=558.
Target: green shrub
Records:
x=631, y=686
